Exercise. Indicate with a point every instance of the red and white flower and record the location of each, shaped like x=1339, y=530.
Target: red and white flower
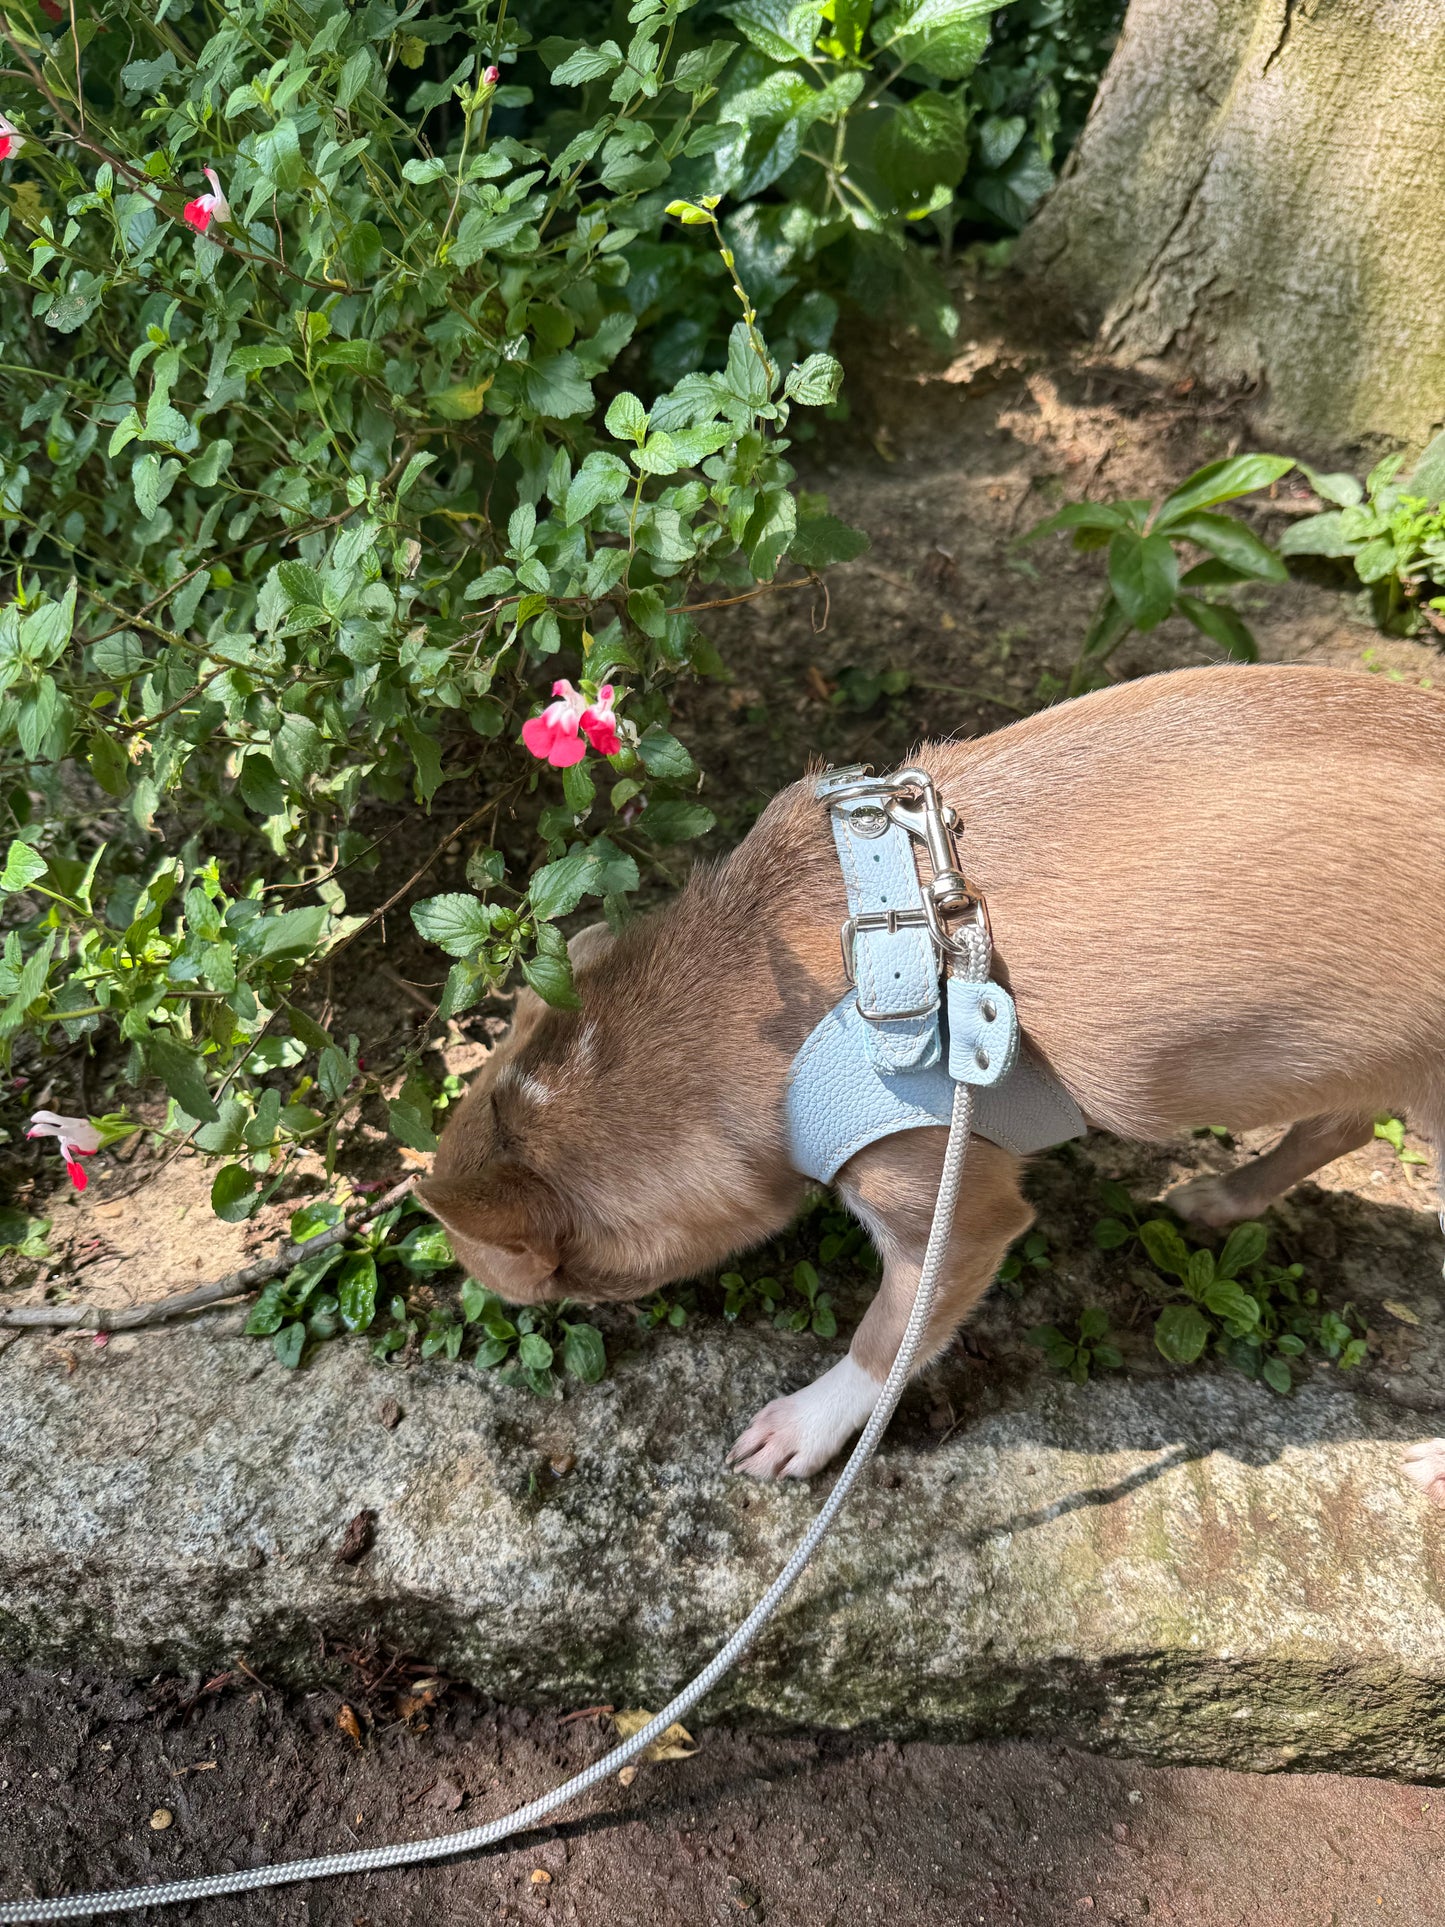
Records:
x=491, y=75
x=206, y=208
x=78, y=1139
x=11, y=139
x=557, y=735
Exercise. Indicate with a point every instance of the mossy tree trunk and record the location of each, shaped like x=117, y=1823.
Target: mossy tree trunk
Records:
x=1259, y=195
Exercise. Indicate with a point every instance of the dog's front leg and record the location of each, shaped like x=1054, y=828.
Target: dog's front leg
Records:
x=892, y=1187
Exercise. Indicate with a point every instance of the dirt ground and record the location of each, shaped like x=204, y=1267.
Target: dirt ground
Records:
x=944, y=466
x=811, y=1832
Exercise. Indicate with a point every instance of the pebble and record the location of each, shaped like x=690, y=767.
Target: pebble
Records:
x=161, y=1819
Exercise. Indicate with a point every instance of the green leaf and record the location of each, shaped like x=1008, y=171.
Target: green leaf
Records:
x=410, y=1117
x=1221, y=481
x=1276, y=1374
x=1165, y=1247
x=1220, y=623
x=268, y=1311
x=289, y=1343
x=588, y=63
x=1318, y=535
x=356, y=1291
x=923, y=145
x=1093, y=1323
x=1426, y=478
x=664, y=756
x=179, y=1069
x=551, y=978
x=234, y=1194
x=1232, y=1302
x=675, y=820
x=1232, y=543
x=1244, y=1247
x=602, y=479
x=250, y=361
x=821, y=540
x=23, y=866
x=583, y=1353
x=1181, y=1332
x=1144, y=576
x=945, y=38
x=626, y=418
x=815, y=382
x=534, y=1352
x=782, y=29
x=1110, y=1233
x=1081, y=515
x=109, y=764
x=1345, y=491
x=459, y=923
x=559, y=887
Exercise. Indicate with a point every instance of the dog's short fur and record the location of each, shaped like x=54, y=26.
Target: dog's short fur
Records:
x=1218, y=896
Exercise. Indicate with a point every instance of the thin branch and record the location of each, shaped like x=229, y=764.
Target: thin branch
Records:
x=105, y=1318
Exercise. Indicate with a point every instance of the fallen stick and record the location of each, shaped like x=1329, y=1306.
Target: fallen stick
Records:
x=104, y=1318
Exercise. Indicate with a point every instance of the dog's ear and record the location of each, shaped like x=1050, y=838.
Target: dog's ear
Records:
x=503, y=1222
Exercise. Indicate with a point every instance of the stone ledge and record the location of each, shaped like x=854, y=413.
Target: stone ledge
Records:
x=1184, y=1569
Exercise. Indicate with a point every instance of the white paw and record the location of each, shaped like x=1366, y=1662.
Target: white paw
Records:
x=1425, y=1464
x=792, y=1438
x=1208, y=1201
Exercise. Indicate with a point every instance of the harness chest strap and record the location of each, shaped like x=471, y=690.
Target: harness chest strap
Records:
x=875, y=1065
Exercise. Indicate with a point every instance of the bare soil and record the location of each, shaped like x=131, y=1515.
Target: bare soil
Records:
x=945, y=466
x=817, y=1831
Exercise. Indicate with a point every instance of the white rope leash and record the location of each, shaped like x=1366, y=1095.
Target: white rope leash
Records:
x=411, y=1853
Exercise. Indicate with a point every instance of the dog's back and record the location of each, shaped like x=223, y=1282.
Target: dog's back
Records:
x=1220, y=894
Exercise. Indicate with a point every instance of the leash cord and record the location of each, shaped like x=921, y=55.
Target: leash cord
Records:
x=412, y=1852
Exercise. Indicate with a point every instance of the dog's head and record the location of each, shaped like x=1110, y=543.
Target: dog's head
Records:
x=604, y=1152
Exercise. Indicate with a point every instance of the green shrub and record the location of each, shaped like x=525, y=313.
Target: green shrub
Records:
x=365, y=371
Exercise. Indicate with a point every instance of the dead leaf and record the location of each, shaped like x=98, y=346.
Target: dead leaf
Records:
x=446, y=1795
x=350, y=1725
x=358, y=1537
x=818, y=684
x=675, y=1744
x=418, y=1158
x=627, y=1775
x=1397, y=1310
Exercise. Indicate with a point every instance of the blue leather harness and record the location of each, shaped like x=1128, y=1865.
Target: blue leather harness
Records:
x=876, y=1064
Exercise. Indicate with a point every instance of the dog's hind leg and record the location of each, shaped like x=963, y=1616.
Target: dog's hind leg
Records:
x=1251, y=1188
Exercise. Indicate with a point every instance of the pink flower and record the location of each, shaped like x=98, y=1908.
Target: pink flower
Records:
x=206, y=208
x=599, y=724
x=11, y=140
x=492, y=75
x=78, y=1139
x=556, y=735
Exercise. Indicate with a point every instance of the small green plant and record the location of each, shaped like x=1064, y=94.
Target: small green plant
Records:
x=1030, y=1253
x=1392, y=531
x=1089, y=1350
x=1148, y=580
x=1392, y=1131
x=22, y=1236
x=373, y=1276
x=1237, y=1302
x=770, y=1297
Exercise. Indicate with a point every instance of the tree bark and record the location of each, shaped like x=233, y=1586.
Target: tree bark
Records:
x=1259, y=196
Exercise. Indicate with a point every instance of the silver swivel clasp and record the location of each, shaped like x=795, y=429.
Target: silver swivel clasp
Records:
x=909, y=798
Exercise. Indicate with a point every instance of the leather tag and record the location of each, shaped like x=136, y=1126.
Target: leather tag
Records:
x=983, y=1032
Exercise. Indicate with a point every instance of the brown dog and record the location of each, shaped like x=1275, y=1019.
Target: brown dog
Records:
x=1217, y=896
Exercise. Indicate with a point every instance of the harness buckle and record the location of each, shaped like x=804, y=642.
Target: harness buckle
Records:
x=909, y=798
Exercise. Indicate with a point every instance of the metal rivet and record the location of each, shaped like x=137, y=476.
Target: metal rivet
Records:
x=980, y=1057
x=990, y=1011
